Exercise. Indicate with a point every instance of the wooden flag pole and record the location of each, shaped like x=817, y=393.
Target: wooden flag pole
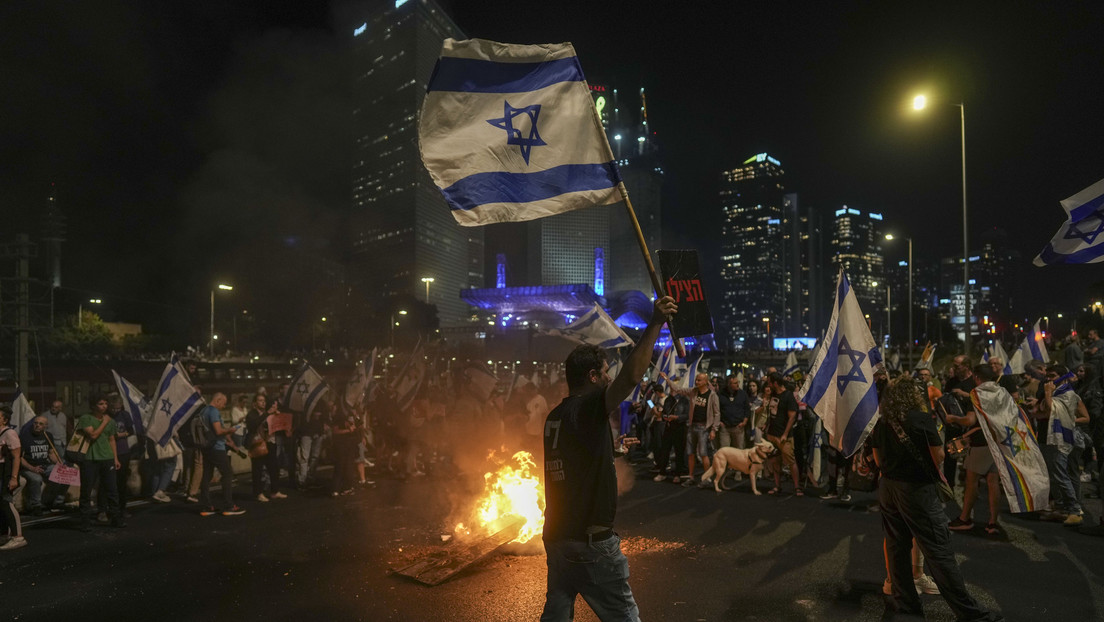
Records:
x=656, y=283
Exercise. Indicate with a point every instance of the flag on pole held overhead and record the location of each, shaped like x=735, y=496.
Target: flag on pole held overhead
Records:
x=174, y=403
x=1079, y=239
x=926, y=357
x=305, y=391
x=665, y=364
x=510, y=133
x=1033, y=346
x=358, y=384
x=595, y=327
x=840, y=385
x=997, y=350
x=135, y=403
x=21, y=409
x=791, y=364
x=689, y=372
x=1011, y=439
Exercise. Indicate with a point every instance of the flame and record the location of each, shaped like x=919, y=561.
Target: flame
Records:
x=515, y=491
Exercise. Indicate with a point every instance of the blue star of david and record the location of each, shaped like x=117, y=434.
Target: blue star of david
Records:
x=513, y=135
x=856, y=358
x=303, y=387
x=166, y=406
x=1089, y=237
x=1009, y=441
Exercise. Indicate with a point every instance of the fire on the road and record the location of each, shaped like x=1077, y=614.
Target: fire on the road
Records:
x=511, y=490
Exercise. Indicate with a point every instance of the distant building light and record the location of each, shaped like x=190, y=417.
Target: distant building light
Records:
x=773, y=221
x=902, y=263
x=360, y=29
x=944, y=301
x=874, y=216
x=973, y=282
x=399, y=3
x=841, y=212
x=853, y=211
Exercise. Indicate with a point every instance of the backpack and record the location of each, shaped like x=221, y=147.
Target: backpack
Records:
x=203, y=437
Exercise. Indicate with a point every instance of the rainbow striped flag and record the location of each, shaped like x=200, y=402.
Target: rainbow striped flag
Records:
x=1015, y=449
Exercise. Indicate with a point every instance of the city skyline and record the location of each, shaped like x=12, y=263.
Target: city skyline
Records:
x=255, y=92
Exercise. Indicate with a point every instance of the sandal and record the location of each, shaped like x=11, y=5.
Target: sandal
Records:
x=799, y=493
x=992, y=529
x=772, y=491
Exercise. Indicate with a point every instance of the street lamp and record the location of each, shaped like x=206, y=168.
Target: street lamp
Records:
x=919, y=103
x=889, y=236
x=394, y=324
x=767, y=320
x=889, y=318
x=223, y=287
x=80, y=309
x=427, y=280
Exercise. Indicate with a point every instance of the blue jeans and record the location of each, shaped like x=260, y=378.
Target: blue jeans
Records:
x=161, y=472
x=1067, y=496
x=598, y=571
x=697, y=441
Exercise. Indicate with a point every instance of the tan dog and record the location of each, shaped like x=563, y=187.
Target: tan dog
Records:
x=748, y=461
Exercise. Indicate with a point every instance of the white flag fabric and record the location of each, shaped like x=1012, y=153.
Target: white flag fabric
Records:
x=21, y=410
x=1033, y=346
x=665, y=364
x=595, y=327
x=791, y=364
x=1011, y=440
x=510, y=133
x=689, y=373
x=997, y=350
x=137, y=404
x=840, y=385
x=814, y=451
x=357, y=387
x=926, y=357
x=174, y=403
x=1079, y=239
x=1016, y=364
x=305, y=390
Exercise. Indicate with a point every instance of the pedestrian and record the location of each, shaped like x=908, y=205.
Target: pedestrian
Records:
x=781, y=416
x=583, y=551
x=215, y=456
x=100, y=466
x=11, y=453
x=979, y=461
x=903, y=439
x=125, y=440
x=261, y=452
x=39, y=459
x=705, y=418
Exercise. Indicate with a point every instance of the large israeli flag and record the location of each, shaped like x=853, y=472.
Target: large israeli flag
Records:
x=358, y=384
x=597, y=328
x=21, y=409
x=840, y=386
x=1033, y=346
x=1080, y=239
x=137, y=404
x=997, y=350
x=174, y=403
x=305, y=390
x=510, y=133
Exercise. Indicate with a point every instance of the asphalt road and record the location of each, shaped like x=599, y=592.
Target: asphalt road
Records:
x=694, y=555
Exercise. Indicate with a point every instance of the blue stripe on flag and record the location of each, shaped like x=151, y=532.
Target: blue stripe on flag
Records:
x=826, y=373
x=503, y=187
x=135, y=414
x=1033, y=345
x=470, y=75
x=841, y=293
x=859, y=420
x=1086, y=209
x=312, y=397
x=174, y=421
x=1085, y=255
x=1014, y=478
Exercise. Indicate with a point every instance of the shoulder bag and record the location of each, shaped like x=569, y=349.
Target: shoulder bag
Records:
x=77, y=448
x=946, y=493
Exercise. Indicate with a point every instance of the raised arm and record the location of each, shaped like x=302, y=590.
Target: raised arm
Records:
x=641, y=356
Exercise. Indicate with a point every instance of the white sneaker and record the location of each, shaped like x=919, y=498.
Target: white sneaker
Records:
x=925, y=585
x=262, y=498
x=161, y=497
x=14, y=543
x=659, y=478
x=279, y=495
x=1086, y=477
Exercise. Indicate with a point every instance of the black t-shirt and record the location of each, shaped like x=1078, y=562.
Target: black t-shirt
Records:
x=779, y=409
x=897, y=461
x=36, y=449
x=700, y=413
x=677, y=406
x=735, y=407
x=579, y=480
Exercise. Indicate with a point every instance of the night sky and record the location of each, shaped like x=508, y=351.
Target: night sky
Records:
x=187, y=140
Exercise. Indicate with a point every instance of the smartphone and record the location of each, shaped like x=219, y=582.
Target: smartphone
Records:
x=651, y=404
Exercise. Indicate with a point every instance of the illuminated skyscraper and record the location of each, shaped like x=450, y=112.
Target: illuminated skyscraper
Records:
x=400, y=227
x=857, y=246
x=752, y=248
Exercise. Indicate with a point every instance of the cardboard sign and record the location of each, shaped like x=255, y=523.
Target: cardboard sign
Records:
x=65, y=475
x=681, y=276
x=278, y=422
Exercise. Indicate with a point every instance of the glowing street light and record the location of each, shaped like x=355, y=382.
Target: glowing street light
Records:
x=394, y=324
x=427, y=280
x=226, y=288
x=919, y=103
x=80, y=309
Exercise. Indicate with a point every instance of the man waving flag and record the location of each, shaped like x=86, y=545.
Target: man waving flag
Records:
x=840, y=385
x=509, y=133
x=1080, y=238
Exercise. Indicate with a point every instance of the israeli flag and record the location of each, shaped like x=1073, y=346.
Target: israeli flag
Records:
x=665, y=364
x=137, y=404
x=686, y=381
x=510, y=133
x=358, y=384
x=997, y=350
x=1033, y=346
x=791, y=364
x=174, y=403
x=21, y=409
x=305, y=390
x=1079, y=240
x=840, y=385
x=597, y=328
